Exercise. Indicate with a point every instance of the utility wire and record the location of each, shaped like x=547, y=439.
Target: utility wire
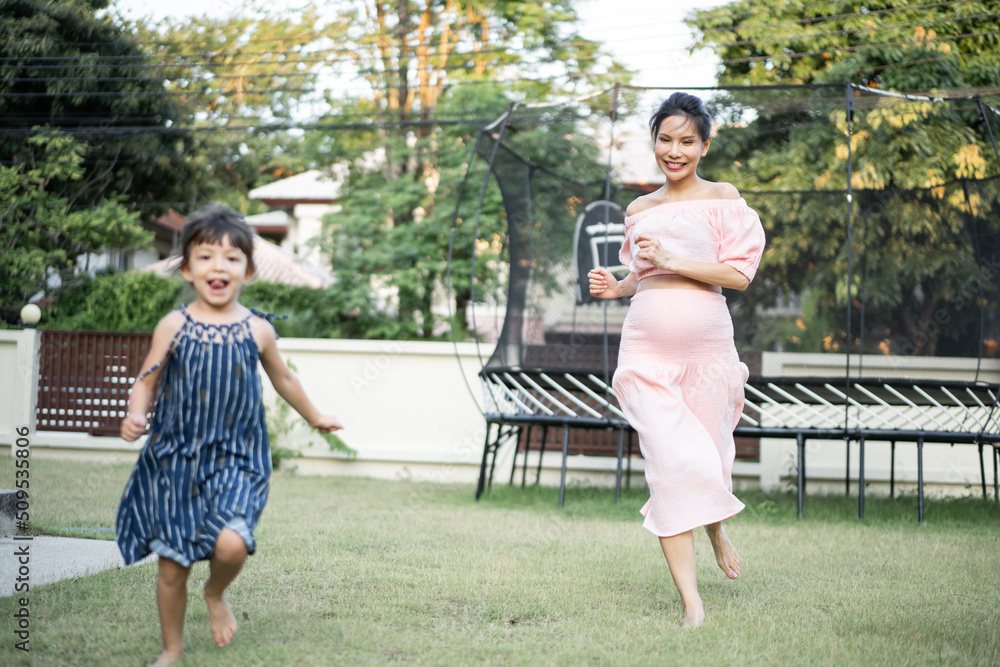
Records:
x=831, y=17
x=371, y=125
x=847, y=33
x=852, y=49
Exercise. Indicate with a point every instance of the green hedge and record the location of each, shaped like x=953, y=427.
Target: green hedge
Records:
x=136, y=301
x=114, y=302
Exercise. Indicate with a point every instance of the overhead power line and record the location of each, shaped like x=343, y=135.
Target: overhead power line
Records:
x=845, y=33
x=148, y=93
x=187, y=62
x=831, y=17
x=859, y=47
x=274, y=127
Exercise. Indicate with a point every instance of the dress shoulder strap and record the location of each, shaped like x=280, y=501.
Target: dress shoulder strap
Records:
x=270, y=317
x=173, y=342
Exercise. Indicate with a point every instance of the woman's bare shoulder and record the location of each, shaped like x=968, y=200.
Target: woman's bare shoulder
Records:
x=723, y=191
x=642, y=202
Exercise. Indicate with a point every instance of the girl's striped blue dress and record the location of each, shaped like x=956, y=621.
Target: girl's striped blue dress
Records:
x=207, y=461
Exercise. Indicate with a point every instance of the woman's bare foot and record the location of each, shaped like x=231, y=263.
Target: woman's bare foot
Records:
x=220, y=617
x=694, y=615
x=168, y=658
x=725, y=553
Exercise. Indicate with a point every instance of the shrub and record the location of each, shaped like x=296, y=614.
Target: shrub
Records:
x=114, y=302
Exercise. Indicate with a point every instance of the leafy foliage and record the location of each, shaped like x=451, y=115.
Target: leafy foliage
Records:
x=241, y=79
x=115, y=302
x=72, y=66
x=923, y=201
x=396, y=216
x=310, y=313
x=42, y=236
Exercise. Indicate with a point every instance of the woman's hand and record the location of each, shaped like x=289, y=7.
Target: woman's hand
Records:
x=651, y=251
x=603, y=284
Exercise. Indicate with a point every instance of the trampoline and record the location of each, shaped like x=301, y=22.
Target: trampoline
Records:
x=869, y=219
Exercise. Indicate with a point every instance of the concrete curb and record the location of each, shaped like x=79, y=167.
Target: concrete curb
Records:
x=45, y=559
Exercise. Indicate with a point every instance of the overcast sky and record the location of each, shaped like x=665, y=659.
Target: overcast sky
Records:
x=646, y=35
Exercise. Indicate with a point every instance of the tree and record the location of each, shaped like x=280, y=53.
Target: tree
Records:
x=71, y=66
x=427, y=64
x=41, y=235
x=918, y=165
x=240, y=82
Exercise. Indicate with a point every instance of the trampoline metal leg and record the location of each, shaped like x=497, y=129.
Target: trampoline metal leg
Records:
x=920, y=480
x=496, y=449
x=996, y=482
x=982, y=471
x=562, y=474
x=541, y=453
x=800, y=441
x=861, y=477
x=618, y=471
x=524, y=468
x=517, y=448
x=892, y=468
x=847, y=471
x=481, y=485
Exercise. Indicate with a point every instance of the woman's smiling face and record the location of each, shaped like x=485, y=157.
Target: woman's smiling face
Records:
x=678, y=147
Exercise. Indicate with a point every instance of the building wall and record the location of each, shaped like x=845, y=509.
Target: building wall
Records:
x=307, y=229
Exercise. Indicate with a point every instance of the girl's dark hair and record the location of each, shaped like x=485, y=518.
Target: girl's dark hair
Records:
x=211, y=225
x=682, y=104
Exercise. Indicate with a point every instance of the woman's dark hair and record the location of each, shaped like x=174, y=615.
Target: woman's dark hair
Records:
x=211, y=225
x=682, y=104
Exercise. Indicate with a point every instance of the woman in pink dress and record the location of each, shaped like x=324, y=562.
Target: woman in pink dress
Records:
x=679, y=379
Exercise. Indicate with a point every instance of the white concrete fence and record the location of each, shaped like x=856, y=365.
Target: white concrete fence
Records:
x=409, y=413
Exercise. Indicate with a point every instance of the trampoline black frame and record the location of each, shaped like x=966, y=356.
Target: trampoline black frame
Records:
x=510, y=425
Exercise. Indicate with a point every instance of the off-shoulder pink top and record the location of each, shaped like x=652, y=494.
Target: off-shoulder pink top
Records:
x=719, y=231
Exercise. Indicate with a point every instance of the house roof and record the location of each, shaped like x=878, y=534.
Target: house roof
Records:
x=171, y=221
x=269, y=219
x=274, y=265
x=313, y=186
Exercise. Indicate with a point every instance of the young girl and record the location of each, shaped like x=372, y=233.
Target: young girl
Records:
x=679, y=378
x=201, y=480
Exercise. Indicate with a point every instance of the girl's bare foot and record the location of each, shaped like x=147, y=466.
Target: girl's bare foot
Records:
x=220, y=617
x=168, y=658
x=725, y=553
x=694, y=615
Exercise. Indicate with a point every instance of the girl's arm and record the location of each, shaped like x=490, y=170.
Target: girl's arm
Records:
x=287, y=384
x=134, y=424
x=604, y=285
x=722, y=275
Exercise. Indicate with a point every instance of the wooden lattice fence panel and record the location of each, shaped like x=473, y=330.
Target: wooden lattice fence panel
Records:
x=85, y=377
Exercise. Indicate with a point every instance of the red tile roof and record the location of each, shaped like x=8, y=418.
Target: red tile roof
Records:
x=274, y=264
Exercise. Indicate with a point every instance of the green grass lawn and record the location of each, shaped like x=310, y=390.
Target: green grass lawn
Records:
x=361, y=572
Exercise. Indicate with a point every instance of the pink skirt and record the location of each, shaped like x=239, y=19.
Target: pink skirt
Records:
x=680, y=384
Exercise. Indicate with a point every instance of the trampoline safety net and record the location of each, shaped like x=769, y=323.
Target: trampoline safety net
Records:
x=882, y=231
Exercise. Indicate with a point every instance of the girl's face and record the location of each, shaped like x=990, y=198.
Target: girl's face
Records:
x=218, y=273
x=678, y=147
